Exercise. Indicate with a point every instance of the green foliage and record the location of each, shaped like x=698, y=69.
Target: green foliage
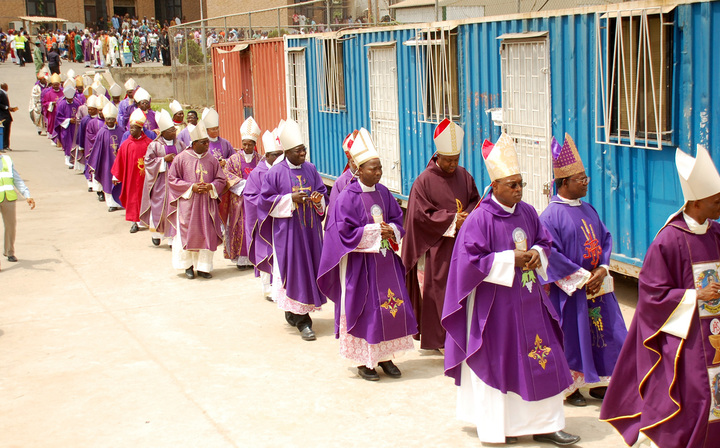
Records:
x=193, y=54
x=274, y=33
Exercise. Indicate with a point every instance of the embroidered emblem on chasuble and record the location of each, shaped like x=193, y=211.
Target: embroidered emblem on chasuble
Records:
x=593, y=250
x=141, y=165
x=392, y=304
x=201, y=171
x=709, y=313
x=114, y=144
x=540, y=352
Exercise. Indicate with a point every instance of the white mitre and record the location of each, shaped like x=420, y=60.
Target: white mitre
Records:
x=250, y=130
x=290, y=135
x=699, y=177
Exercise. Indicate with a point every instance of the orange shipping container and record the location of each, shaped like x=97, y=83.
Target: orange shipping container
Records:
x=249, y=80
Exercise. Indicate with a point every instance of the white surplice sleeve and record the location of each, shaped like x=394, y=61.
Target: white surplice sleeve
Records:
x=680, y=320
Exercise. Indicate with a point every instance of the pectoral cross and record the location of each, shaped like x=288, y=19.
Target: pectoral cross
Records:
x=201, y=171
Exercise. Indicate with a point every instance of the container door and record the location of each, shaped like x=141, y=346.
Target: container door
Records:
x=525, y=66
x=297, y=83
x=384, y=112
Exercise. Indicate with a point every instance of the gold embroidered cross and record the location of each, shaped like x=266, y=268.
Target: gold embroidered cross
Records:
x=300, y=186
x=201, y=171
x=540, y=352
x=392, y=304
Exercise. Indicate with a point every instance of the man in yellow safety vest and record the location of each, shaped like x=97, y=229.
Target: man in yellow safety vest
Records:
x=10, y=180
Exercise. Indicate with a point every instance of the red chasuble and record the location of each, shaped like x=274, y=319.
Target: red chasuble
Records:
x=129, y=169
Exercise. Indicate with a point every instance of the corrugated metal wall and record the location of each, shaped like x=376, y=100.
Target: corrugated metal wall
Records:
x=227, y=71
x=634, y=190
x=268, y=70
x=249, y=82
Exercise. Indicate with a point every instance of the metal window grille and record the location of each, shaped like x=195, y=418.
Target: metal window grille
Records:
x=633, y=77
x=298, y=101
x=436, y=52
x=384, y=119
x=331, y=91
x=526, y=113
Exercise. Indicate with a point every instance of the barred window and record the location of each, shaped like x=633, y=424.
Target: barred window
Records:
x=41, y=8
x=437, y=74
x=331, y=90
x=634, y=78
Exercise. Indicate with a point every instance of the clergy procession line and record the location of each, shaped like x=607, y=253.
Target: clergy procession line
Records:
x=522, y=305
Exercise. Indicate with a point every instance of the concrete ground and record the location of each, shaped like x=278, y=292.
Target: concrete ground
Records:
x=103, y=344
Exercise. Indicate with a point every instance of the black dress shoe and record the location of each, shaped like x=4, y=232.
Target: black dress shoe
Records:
x=509, y=440
x=189, y=273
x=390, y=369
x=113, y=209
x=89, y=189
x=71, y=167
x=598, y=392
x=269, y=299
x=101, y=197
x=559, y=438
x=307, y=334
x=204, y=274
x=368, y=374
x=134, y=228
x=576, y=399
x=156, y=241
x=12, y=258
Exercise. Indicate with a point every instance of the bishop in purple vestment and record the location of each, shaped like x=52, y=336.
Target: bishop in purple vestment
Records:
x=666, y=384
x=66, y=125
x=237, y=169
x=293, y=194
x=259, y=250
x=361, y=273
x=504, y=341
x=195, y=181
x=578, y=267
x=102, y=157
x=50, y=97
x=155, y=207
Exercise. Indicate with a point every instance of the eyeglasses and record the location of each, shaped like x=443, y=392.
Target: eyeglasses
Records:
x=583, y=180
x=514, y=185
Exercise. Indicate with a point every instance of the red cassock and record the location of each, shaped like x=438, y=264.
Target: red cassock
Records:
x=129, y=169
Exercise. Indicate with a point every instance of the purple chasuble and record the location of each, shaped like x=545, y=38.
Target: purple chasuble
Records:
x=297, y=240
x=377, y=306
x=199, y=216
x=663, y=386
x=68, y=136
x=221, y=149
x=435, y=198
x=594, y=330
x=155, y=202
x=184, y=136
x=259, y=250
x=89, y=127
x=236, y=169
x=51, y=96
x=515, y=340
x=126, y=108
x=102, y=156
x=340, y=183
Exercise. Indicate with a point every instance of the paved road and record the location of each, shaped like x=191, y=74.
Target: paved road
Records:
x=103, y=344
